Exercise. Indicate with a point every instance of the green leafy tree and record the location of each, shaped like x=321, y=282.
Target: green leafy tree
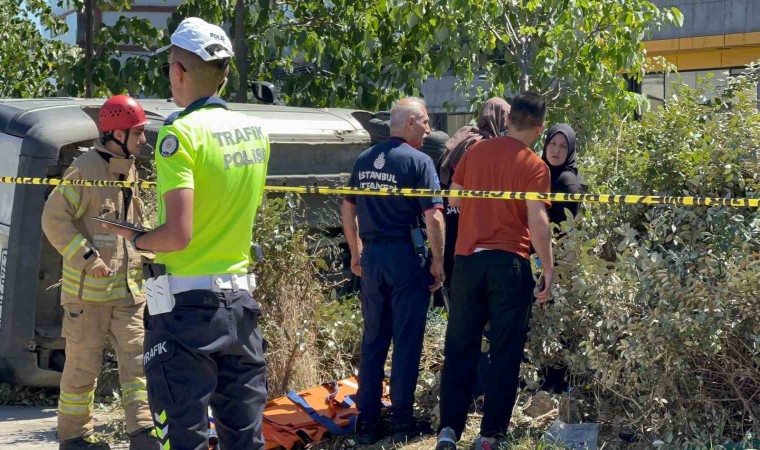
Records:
x=109, y=70
x=577, y=53
x=28, y=59
x=319, y=53
x=365, y=55
x=339, y=53
x=103, y=69
x=115, y=72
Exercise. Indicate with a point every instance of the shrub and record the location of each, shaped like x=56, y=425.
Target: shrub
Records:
x=656, y=307
x=289, y=293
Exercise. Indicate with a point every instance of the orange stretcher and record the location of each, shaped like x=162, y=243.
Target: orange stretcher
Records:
x=303, y=418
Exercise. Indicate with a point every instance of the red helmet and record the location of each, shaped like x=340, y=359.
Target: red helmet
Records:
x=121, y=112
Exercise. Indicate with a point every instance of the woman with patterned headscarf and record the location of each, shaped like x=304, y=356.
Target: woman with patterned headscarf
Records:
x=492, y=122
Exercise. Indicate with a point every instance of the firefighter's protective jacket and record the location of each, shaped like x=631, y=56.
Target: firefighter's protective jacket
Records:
x=84, y=244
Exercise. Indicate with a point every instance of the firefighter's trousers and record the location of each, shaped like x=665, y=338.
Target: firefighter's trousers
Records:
x=85, y=327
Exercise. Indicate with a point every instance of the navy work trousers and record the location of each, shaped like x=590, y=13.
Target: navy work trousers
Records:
x=395, y=299
x=490, y=285
x=208, y=351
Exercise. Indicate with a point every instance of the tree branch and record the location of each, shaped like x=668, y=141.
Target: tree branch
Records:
x=511, y=32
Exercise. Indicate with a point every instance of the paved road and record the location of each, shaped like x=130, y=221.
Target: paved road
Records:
x=32, y=428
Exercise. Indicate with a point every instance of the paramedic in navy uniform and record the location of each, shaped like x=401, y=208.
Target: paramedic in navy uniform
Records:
x=396, y=280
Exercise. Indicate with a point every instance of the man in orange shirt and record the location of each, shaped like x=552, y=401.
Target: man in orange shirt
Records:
x=492, y=279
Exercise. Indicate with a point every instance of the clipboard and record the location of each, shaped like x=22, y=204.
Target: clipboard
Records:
x=121, y=224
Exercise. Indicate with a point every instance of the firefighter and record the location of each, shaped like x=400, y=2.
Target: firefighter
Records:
x=101, y=291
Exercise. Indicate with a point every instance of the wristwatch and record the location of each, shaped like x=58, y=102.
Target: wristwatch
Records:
x=134, y=240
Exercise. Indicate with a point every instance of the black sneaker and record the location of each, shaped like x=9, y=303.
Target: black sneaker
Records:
x=83, y=443
x=369, y=434
x=144, y=439
x=406, y=432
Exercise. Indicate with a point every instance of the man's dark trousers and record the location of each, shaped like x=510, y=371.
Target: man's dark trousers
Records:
x=395, y=298
x=208, y=351
x=489, y=285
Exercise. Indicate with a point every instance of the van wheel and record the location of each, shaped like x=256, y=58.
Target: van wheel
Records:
x=435, y=145
x=380, y=130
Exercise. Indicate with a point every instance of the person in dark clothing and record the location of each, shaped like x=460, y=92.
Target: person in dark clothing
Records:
x=396, y=278
x=559, y=155
x=492, y=121
x=492, y=273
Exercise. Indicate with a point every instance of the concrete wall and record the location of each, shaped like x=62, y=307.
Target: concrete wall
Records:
x=437, y=92
x=711, y=17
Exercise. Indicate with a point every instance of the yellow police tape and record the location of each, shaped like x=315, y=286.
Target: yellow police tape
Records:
x=579, y=198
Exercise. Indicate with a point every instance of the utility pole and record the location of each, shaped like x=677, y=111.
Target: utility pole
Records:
x=241, y=51
x=89, y=19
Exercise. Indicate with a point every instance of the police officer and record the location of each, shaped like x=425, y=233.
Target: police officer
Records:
x=203, y=346
x=386, y=253
x=101, y=290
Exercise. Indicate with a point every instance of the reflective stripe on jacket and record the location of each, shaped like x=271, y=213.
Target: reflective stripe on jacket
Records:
x=83, y=243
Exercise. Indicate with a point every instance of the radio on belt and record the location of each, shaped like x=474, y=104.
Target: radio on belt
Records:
x=418, y=241
x=158, y=293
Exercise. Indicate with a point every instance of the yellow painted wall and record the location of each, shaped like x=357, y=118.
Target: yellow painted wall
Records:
x=708, y=52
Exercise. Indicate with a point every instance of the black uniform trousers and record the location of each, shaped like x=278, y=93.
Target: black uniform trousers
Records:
x=489, y=285
x=208, y=351
x=395, y=299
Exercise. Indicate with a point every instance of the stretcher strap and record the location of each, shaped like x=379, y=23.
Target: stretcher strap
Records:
x=326, y=422
x=347, y=402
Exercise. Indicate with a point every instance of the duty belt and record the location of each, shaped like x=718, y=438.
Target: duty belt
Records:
x=234, y=281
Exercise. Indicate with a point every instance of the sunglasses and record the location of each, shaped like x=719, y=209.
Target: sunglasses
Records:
x=166, y=67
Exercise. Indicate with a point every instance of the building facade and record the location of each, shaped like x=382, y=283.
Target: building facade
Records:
x=156, y=11
x=718, y=37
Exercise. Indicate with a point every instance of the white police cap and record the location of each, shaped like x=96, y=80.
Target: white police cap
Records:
x=202, y=38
